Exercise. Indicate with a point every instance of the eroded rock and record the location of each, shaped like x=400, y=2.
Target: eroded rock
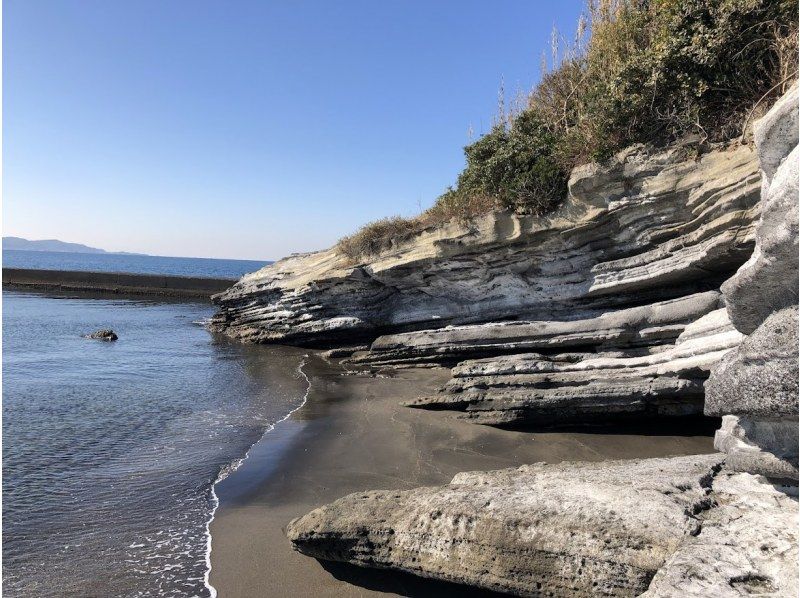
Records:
x=756, y=386
x=760, y=377
x=578, y=388
x=654, y=324
x=768, y=282
x=646, y=227
x=747, y=545
x=572, y=529
x=758, y=445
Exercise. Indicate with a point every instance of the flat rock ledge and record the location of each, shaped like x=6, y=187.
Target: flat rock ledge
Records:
x=534, y=389
x=572, y=529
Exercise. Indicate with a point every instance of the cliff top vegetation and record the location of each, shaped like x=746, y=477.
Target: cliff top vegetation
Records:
x=636, y=71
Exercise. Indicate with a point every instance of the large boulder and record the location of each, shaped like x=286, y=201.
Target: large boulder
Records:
x=760, y=377
x=566, y=530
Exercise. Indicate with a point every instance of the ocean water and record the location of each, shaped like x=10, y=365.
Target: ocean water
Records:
x=111, y=450
x=136, y=264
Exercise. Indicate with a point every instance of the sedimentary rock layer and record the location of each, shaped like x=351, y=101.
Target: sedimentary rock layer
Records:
x=646, y=227
x=573, y=529
x=653, y=324
x=535, y=389
x=598, y=294
x=670, y=527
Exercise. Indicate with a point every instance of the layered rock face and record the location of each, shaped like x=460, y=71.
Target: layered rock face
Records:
x=648, y=227
x=756, y=386
x=569, y=388
x=608, y=309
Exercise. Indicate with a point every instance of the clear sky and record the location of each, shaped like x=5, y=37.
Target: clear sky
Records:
x=248, y=129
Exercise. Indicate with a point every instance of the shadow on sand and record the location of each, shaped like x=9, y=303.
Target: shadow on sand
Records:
x=404, y=584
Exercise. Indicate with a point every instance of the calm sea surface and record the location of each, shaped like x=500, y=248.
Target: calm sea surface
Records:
x=111, y=450
x=138, y=264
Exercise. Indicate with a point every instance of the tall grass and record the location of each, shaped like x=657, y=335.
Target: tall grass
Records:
x=636, y=71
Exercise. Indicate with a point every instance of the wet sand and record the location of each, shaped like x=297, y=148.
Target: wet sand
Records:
x=352, y=435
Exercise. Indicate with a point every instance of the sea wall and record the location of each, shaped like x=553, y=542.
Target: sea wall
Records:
x=114, y=282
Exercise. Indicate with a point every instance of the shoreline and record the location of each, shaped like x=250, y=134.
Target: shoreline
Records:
x=352, y=434
x=232, y=470
x=114, y=282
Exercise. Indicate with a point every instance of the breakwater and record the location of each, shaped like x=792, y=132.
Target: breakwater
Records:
x=115, y=282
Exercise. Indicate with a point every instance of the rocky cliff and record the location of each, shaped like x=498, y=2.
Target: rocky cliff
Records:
x=647, y=227
x=666, y=285
x=719, y=525
x=755, y=386
x=609, y=308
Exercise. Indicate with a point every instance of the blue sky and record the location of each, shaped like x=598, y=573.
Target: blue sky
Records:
x=248, y=129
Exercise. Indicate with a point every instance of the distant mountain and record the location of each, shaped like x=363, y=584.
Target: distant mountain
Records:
x=47, y=245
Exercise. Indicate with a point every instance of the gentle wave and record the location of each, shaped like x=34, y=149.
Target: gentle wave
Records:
x=228, y=470
x=112, y=449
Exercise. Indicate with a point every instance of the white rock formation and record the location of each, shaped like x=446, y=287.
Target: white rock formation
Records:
x=634, y=256
x=756, y=386
x=647, y=227
x=678, y=527
x=747, y=546
x=567, y=530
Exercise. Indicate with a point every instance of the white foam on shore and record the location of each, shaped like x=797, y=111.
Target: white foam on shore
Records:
x=226, y=471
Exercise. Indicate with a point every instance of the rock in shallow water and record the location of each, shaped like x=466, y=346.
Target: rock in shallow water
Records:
x=103, y=335
x=572, y=529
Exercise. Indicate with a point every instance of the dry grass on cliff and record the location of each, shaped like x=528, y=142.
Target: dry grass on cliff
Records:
x=376, y=236
x=636, y=71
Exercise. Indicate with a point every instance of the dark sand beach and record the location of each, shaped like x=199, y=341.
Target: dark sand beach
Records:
x=353, y=434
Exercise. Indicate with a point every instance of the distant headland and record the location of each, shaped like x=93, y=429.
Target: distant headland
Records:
x=20, y=244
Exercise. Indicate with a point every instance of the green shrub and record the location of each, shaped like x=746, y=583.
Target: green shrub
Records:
x=515, y=166
x=644, y=71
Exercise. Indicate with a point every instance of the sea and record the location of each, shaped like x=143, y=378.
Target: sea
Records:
x=111, y=450
x=130, y=263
